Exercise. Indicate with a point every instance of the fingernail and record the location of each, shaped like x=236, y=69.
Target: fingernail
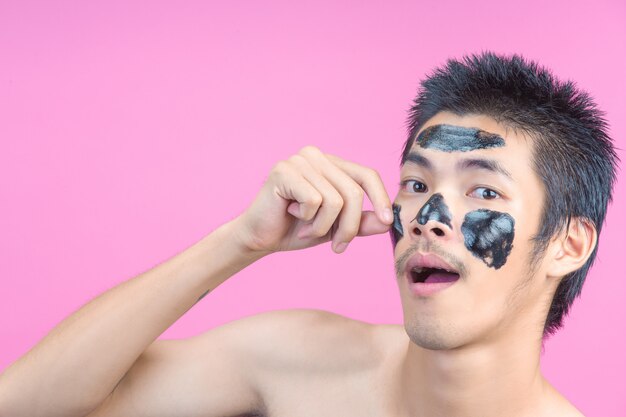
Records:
x=341, y=247
x=388, y=215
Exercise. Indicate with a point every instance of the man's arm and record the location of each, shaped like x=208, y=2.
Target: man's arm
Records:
x=229, y=370
x=306, y=200
x=78, y=364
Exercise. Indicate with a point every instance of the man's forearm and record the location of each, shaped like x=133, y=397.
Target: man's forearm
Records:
x=79, y=363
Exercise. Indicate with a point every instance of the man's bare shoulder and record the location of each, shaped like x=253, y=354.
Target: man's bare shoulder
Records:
x=564, y=408
x=555, y=404
x=301, y=339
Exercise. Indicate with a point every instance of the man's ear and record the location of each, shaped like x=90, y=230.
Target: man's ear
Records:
x=573, y=247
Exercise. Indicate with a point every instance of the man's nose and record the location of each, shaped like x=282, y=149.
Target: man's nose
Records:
x=433, y=220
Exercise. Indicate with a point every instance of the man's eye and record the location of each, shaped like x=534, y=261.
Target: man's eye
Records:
x=414, y=186
x=485, y=193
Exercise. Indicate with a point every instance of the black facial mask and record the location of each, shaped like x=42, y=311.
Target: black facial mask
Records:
x=434, y=209
x=396, y=231
x=449, y=138
x=489, y=235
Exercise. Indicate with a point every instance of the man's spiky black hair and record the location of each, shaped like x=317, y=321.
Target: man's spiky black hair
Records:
x=572, y=152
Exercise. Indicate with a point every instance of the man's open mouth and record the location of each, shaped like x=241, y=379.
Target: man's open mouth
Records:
x=431, y=275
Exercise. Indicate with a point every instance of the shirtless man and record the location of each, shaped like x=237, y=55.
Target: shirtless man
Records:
x=490, y=217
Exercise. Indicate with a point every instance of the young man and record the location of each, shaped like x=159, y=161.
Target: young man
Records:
x=505, y=180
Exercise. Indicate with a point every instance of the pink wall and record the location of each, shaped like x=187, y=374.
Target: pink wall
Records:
x=128, y=132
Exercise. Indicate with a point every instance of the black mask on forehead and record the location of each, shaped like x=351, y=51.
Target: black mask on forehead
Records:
x=449, y=138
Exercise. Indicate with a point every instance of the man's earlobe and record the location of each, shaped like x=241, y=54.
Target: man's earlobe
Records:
x=575, y=245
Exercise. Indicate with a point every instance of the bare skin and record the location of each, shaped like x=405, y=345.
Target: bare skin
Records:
x=306, y=363
x=104, y=360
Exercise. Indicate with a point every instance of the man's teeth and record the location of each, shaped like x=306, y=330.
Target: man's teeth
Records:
x=421, y=269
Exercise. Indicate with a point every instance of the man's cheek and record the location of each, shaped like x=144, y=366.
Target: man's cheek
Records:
x=489, y=235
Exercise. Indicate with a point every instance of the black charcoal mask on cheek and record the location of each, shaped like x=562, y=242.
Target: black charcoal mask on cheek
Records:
x=449, y=138
x=489, y=235
x=434, y=209
x=396, y=232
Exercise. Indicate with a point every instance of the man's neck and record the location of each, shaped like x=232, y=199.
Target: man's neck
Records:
x=496, y=379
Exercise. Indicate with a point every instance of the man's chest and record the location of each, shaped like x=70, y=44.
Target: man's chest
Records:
x=346, y=396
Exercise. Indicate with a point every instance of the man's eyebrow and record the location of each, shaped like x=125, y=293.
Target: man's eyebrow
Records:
x=418, y=159
x=470, y=163
x=485, y=164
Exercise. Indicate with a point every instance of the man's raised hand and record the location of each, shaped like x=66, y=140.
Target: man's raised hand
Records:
x=311, y=198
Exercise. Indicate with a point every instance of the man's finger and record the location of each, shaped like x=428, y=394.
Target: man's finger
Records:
x=371, y=182
x=371, y=225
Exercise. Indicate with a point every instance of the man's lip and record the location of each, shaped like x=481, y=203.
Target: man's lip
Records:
x=428, y=260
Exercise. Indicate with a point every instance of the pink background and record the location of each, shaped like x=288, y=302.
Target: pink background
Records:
x=130, y=131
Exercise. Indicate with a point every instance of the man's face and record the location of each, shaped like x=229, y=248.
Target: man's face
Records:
x=470, y=197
